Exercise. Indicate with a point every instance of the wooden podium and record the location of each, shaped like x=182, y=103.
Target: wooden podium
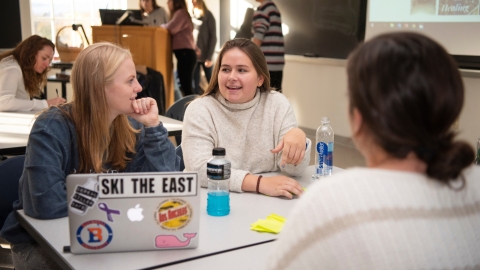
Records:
x=150, y=46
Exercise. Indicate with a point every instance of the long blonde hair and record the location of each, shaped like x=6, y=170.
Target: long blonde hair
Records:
x=98, y=143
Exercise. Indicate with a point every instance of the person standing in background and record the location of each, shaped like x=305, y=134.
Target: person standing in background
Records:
x=267, y=33
x=180, y=27
x=153, y=14
x=23, y=74
x=205, y=23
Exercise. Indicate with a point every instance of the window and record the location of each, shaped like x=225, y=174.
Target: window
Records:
x=49, y=16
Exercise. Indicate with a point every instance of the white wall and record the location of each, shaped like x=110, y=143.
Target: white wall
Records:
x=318, y=87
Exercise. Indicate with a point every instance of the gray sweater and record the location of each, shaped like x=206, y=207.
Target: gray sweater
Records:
x=247, y=131
x=207, y=36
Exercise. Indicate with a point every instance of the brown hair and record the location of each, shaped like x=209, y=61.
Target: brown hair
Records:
x=25, y=54
x=98, y=143
x=409, y=92
x=255, y=55
x=154, y=5
x=179, y=5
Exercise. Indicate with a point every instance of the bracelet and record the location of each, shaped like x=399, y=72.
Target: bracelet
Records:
x=258, y=183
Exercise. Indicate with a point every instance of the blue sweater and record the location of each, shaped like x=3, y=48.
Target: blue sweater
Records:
x=52, y=154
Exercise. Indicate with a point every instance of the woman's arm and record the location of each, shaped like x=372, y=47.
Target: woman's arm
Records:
x=177, y=23
x=212, y=36
x=11, y=79
x=48, y=160
x=155, y=152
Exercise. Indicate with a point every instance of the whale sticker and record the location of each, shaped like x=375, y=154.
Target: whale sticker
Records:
x=172, y=241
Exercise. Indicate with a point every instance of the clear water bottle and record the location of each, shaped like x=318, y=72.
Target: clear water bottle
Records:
x=324, y=150
x=477, y=159
x=218, y=173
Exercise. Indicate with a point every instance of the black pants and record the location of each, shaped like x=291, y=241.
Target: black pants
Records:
x=276, y=80
x=196, y=75
x=186, y=61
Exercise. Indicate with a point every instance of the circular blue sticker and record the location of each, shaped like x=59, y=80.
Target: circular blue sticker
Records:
x=94, y=234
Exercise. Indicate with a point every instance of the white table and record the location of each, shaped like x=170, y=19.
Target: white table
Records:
x=216, y=234
x=15, y=128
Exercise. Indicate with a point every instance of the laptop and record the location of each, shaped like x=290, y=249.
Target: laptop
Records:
x=120, y=17
x=133, y=211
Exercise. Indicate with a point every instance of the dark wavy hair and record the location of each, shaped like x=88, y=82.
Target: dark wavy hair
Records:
x=409, y=92
x=253, y=52
x=25, y=53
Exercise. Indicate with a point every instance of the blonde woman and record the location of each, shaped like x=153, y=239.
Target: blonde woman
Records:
x=104, y=129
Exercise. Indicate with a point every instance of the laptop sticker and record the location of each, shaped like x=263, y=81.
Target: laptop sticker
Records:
x=173, y=214
x=135, y=214
x=94, y=234
x=84, y=196
x=104, y=207
x=169, y=241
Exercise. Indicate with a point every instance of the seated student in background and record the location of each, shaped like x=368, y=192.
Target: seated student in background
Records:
x=256, y=126
x=153, y=14
x=23, y=74
x=417, y=204
x=104, y=129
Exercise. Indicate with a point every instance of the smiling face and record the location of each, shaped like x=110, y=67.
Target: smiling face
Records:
x=43, y=59
x=123, y=89
x=237, y=79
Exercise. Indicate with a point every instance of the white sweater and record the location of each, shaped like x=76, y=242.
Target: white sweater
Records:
x=13, y=96
x=247, y=131
x=380, y=219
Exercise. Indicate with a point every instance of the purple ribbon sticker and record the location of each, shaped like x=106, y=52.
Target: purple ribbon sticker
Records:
x=104, y=207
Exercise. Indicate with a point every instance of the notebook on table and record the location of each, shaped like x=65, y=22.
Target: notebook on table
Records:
x=133, y=211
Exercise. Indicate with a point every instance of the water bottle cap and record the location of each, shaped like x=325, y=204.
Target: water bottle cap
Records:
x=325, y=120
x=220, y=151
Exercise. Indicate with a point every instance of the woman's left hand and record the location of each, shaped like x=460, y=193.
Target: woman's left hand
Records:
x=145, y=111
x=293, y=145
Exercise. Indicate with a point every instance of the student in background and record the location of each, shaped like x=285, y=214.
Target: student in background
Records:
x=256, y=126
x=152, y=14
x=416, y=205
x=204, y=22
x=23, y=74
x=104, y=129
x=267, y=33
x=181, y=28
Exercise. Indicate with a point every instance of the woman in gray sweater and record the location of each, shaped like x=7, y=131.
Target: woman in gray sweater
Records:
x=255, y=125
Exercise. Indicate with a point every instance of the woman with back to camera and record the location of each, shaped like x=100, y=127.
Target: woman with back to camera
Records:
x=23, y=74
x=255, y=125
x=206, y=41
x=104, y=129
x=152, y=14
x=181, y=28
x=417, y=204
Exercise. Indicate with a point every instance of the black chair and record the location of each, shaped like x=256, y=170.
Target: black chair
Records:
x=11, y=169
x=152, y=86
x=177, y=111
x=179, y=153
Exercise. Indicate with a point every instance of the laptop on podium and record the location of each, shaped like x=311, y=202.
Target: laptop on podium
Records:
x=133, y=211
